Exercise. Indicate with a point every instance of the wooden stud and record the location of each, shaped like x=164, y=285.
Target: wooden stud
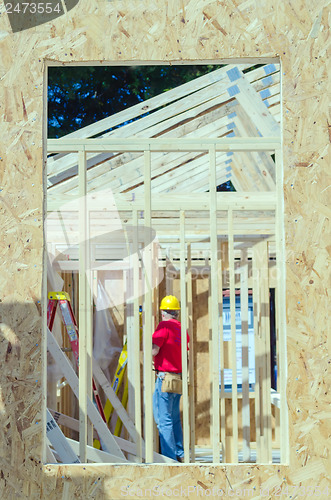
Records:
x=129, y=322
x=155, y=316
x=245, y=366
x=222, y=265
x=281, y=309
x=148, y=385
x=259, y=420
x=82, y=308
x=262, y=351
x=183, y=300
x=265, y=329
x=214, y=312
x=155, y=283
x=46, y=265
x=191, y=352
x=136, y=334
x=89, y=316
x=233, y=454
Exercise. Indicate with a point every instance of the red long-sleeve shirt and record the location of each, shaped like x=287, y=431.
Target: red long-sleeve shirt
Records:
x=167, y=337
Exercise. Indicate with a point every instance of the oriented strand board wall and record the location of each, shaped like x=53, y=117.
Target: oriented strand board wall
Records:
x=173, y=30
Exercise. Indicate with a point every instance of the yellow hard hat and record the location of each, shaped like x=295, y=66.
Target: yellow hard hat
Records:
x=169, y=303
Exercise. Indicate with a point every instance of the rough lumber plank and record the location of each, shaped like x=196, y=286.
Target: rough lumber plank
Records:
x=148, y=382
x=175, y=144
x=83, y=326
x=191, y=352
x=183, y=304
x=214, y=313
x=281, y=309
x=122, y=201
x=232, y=453
x=245, y=366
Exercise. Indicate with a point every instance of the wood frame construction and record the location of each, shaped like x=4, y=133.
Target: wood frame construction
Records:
x=212, y=201
x=138, y=32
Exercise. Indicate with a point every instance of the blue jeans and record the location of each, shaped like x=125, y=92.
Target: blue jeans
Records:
x=167, y=418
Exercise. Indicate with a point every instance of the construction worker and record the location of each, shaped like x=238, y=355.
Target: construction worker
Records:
x=166, y=350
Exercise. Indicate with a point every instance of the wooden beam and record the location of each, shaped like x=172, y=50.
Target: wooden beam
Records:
x=137, y=337
x=246, y=95
x=179, y=174
x=214, y=312
x=265, y=164
x=175, y=144
x=148, y=385
x=183, y=300
x=245, y=412
x=150, y=105
x=258, y=349
x=248, y=173
x=265, y=325
x=83, y=285
x=232, y=453
x=249, y=200
x=281, y=309
x=222, y=261
x=191, y=352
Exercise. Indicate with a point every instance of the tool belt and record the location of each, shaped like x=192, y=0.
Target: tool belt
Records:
x=172, y=382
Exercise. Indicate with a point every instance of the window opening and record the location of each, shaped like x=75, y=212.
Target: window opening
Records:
x=176, y=192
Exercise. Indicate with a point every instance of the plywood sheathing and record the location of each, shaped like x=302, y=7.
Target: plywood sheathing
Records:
x=158, y=31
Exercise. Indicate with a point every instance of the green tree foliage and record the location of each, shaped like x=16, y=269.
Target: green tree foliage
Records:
x=81, y=95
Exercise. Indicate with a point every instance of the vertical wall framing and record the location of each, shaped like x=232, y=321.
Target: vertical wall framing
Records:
x=302, y=51
x=245, y=411
x=214, y=312
x=148, y=260
x=191, y=352
x=83, y=287
x=221, y=265
x=136, y=334
x=145, y=449
x=281, y=307
x=44, y=387
x=232, y=445
x=183, y=297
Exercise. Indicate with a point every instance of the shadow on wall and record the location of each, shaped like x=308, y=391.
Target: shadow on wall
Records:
x=26, y=15
x=21, y=396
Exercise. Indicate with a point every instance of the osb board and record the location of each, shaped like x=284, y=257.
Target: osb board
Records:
x=201, y=360
x=120, y=31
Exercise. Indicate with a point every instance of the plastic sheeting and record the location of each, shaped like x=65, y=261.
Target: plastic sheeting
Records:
x=107, y=344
